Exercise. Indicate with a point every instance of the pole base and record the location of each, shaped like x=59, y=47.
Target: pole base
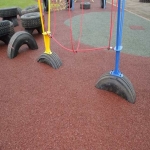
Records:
x=52, y=60
x=118, y=85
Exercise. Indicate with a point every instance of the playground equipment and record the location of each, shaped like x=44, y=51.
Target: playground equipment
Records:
x=115, y=81
x=17, y=40
x=48, y=57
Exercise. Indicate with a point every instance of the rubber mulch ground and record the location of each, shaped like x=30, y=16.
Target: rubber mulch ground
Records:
x=46, y=109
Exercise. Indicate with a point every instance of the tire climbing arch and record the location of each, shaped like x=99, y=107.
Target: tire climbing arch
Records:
x=18, y=39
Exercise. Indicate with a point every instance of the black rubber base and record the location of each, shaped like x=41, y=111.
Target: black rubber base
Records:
x=52, y=60
x=118, y=85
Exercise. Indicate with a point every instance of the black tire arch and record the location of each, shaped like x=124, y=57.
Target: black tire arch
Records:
x=118, y=85
x=52, y=60
x=18, y=39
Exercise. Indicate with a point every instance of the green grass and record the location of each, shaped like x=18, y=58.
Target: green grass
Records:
x=17, y=3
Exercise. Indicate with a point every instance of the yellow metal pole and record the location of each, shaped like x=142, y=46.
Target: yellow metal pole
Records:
x=45, y=34
x=49, y=16
x=41, y=14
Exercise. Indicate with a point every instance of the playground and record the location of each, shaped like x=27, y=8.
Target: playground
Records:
x=43, y=108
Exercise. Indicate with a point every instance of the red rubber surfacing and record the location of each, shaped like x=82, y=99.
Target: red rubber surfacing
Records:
x=42, y=108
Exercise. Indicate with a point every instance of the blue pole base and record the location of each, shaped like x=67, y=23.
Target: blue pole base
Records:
x=114, y=73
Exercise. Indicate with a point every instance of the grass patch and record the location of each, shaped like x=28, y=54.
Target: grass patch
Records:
x=17, y=3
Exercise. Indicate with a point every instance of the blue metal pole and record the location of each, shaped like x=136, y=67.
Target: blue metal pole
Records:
x=119, y=25
x=118, y=48
x=122, y=19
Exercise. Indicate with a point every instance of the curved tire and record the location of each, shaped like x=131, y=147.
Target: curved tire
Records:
x=51, y=59
x=8, y=12
x=31, y=20
x=4, y=27
x=85, y=5
x=18, y=39
x=118, y=85
x=30, y=9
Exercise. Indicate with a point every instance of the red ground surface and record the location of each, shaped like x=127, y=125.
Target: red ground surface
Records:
x=46, y=109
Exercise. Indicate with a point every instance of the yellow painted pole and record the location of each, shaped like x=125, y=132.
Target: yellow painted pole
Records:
x=41, y=15
x=45, y=34
x=49, y=16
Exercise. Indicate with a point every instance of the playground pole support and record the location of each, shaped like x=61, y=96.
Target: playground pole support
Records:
x=47, y=42
x=115, y=81
x=49, y=57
